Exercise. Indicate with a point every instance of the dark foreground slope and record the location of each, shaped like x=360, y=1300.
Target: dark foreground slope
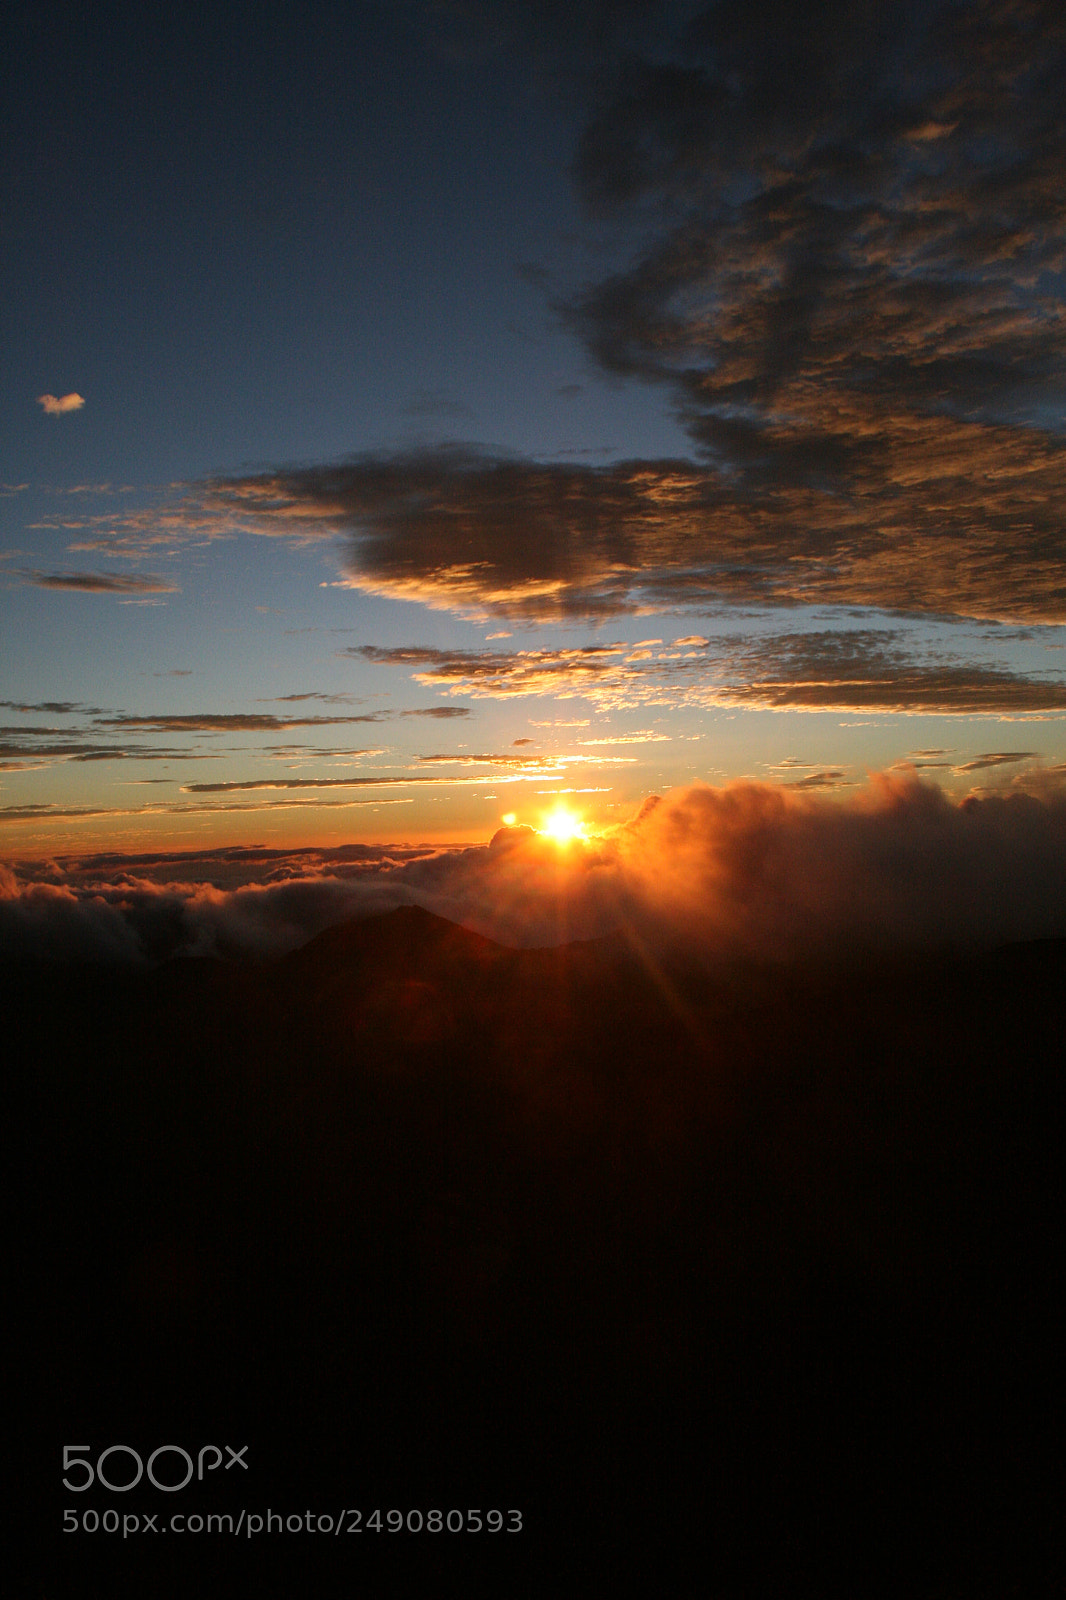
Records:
x=745, y=1279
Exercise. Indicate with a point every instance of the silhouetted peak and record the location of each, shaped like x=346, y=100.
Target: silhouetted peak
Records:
x=398, y=940
x=515, y=834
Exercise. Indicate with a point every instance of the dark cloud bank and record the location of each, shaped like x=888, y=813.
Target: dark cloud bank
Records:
x=842, y=240
x=750, y=870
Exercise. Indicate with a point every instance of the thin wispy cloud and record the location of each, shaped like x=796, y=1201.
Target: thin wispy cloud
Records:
x=120, y=736
x=63, y=708
x=506, y=768
x=437, y=713
x=821, y=780
x=250, y=785
x=532, y=763
x=645, y=737
x=228, y=721
x=44, y=750
x=48, y=811
x=312, y=694
x=119, y=583
x=997, y=758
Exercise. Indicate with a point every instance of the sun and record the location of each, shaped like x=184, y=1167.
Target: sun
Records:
x=563, y=825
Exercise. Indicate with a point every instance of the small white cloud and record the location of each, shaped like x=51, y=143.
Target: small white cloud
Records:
x=54, y=406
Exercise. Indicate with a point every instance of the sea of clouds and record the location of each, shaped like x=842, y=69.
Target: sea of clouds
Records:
x=749, y=869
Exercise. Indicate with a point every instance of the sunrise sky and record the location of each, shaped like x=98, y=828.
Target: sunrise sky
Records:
x=416, y=412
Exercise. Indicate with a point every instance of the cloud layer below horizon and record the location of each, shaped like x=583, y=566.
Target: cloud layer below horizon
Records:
x=752, y=870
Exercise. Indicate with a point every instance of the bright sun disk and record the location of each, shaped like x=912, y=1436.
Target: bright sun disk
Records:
x=562, y=825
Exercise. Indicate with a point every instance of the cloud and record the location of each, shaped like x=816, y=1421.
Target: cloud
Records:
x=959, y=518
x=759, y=868
x=247, y=785
x=228, y=722
x=821, y=780
x=54, y=406
x=46, y=811
x=838, y=254
x=207, y=721
x=507, y=674
x=644, y=737
x=848, y=282
x=180, y=516
x=515, y=769
x=440, y=713
x=102, y=582
x=752, y=870
x=313, y=694
x=40, y=745
x=542, y=763
x=539, y=541
x=845, y=248
x=97, y=739
x=56, y=707
x=997, y=758
x=875, y=670
x=860, y=669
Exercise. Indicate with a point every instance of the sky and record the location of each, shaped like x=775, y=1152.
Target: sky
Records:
x=421, y=415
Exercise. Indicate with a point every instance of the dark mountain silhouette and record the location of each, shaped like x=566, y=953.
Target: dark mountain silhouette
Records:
x=746, y=1272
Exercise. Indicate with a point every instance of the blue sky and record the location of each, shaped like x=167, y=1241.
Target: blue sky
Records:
x=422, y=348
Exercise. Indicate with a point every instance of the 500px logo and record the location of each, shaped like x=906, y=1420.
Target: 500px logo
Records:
x=73, y=1458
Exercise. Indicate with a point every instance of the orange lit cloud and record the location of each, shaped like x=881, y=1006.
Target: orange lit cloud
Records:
x=564, y=672
x=56, y=406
